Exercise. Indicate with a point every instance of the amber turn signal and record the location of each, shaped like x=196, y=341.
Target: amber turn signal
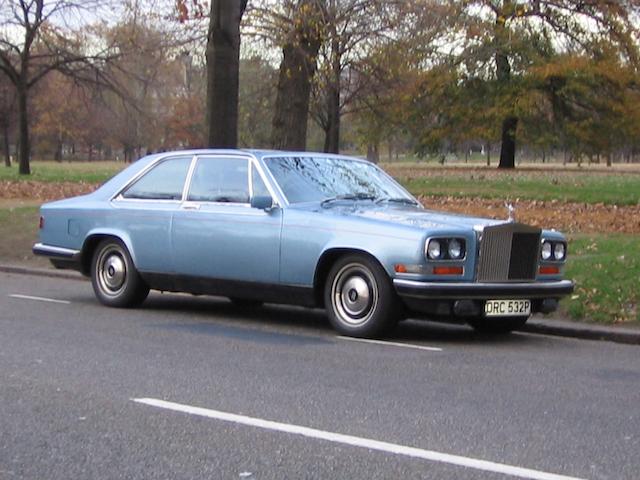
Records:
x=549, y=270
x=400, y=268
x=447, y=270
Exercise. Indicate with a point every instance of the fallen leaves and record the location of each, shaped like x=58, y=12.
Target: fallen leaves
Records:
x=565, y=216
x=43, y=191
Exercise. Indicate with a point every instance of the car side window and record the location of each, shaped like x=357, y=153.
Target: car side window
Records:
x=258, y=187
x=219, y=179
x=165, y=181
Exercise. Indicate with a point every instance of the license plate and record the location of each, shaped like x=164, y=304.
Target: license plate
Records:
x=507, y=308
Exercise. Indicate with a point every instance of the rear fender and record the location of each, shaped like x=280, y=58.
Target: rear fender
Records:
x=95, y=236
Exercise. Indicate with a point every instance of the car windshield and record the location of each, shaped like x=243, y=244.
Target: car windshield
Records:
x=312, y=179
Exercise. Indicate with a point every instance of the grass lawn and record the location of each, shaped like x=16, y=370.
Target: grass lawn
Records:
x=606, y=269
x=18, y=233
x=87, y=172
x=607, y=189
x=618, y=189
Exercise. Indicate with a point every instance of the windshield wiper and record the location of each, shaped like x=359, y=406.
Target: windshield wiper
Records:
x=348, y=196
x=407, y=201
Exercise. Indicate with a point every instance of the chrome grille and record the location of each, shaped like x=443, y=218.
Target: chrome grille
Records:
x=508, y=253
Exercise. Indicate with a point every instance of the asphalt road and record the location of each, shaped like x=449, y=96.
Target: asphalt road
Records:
x=281, y=396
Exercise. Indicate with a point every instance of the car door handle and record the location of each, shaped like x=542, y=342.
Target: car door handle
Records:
x=191, y=206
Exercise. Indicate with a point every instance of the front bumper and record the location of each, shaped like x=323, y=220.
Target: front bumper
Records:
x=481, y=291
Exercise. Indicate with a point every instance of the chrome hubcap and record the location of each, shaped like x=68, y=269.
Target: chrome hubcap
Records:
x=354, y=294
x=112, y=271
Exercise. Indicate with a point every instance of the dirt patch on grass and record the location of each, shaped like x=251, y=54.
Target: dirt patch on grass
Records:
x=566, y=217
x=43, y=191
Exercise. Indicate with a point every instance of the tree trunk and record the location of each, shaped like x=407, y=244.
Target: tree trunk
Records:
x=333, y=132
x=223, y=65
x=373, y=153
x=23, y=131
x=488, y=154
x=508, y=147
x=503, y=74
x=297, y=69
x=333, y=99
x=57, y=156
x=5, y=144
x=326, y=146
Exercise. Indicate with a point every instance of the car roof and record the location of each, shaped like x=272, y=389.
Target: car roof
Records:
x=258, y=153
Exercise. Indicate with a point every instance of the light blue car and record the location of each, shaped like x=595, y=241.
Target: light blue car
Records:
x=298, y=228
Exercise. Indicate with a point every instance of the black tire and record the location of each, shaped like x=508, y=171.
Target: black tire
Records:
x=245, y=302
x=359, y=298
x=114, y=277
x=497, y=326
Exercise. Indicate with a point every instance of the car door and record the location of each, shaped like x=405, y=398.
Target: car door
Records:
x=216, y=234
x=144, y=209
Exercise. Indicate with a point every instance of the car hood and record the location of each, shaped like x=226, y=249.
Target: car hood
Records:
x=403, y=215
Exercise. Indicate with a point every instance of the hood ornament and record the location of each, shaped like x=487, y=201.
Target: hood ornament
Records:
x=512, y=212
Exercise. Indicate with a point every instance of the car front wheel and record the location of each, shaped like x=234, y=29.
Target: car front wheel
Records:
x=359, y=297
x=115, y=280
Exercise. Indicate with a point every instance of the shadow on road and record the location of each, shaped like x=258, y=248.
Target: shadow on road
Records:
x=302, y=325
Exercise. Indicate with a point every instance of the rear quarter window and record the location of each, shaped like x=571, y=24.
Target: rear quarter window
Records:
x=165, y=181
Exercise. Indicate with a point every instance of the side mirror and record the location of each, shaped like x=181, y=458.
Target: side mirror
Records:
x=262, y=202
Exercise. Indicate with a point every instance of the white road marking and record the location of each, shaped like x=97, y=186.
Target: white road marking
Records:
x=351, y=440
x=39, y=299
x=393, y=344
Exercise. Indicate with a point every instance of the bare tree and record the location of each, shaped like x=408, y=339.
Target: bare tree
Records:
x=7, y=113
x=223, y=66
x=353, y=28
x=32, y=46
x=301, y=44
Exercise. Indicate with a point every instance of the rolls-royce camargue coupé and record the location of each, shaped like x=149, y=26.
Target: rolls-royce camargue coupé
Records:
x=309, y=229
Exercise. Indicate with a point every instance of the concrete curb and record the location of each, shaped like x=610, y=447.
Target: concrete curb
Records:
x=43, y=272
x=560, y=328
x=586, y=331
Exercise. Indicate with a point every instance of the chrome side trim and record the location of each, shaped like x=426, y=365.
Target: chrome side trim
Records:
x=468, y=290
x=187, y=183
x=51, y=251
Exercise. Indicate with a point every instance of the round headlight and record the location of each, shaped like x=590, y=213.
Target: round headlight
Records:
x=434, y=250
x=546, y=251
x=559, y=251
x=455, y=248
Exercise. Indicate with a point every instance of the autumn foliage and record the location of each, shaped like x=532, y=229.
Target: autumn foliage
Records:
x=552, y=79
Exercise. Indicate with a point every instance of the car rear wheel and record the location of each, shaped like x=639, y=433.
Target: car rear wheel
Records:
x=115, y=280
x=359, y=297
x=497, y=326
